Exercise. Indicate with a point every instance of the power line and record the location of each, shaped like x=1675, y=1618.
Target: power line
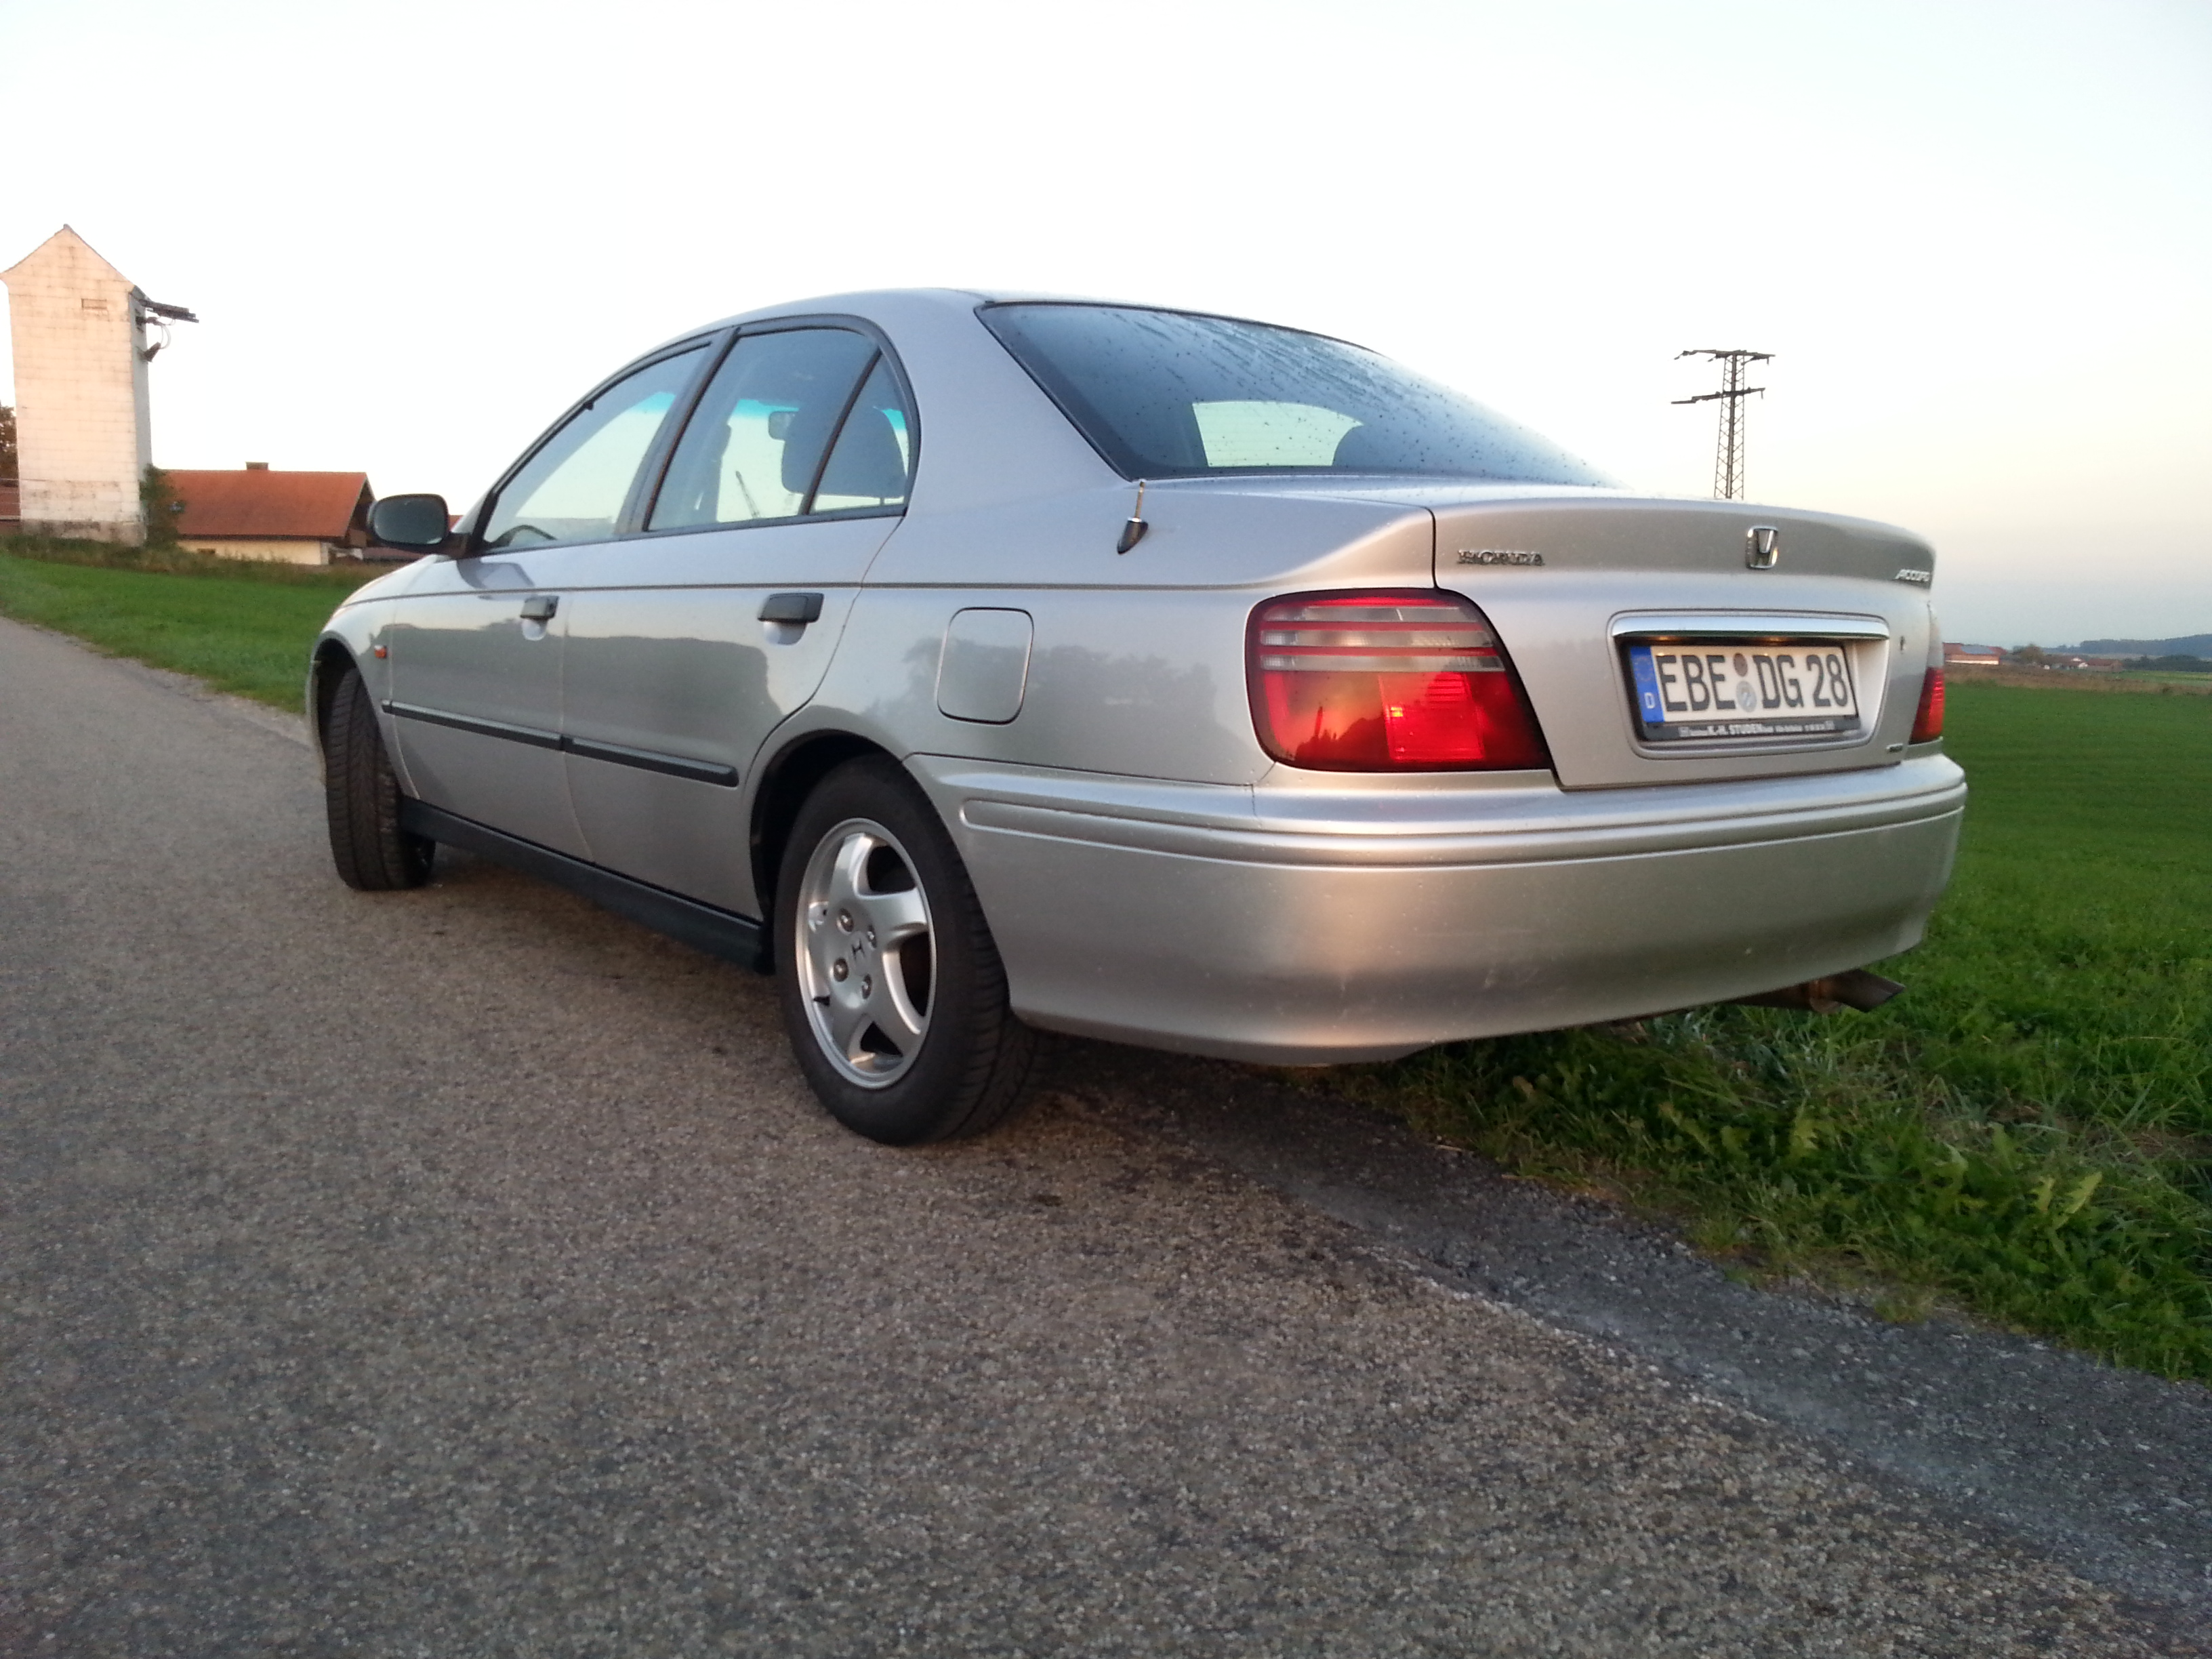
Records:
x=1727, y=457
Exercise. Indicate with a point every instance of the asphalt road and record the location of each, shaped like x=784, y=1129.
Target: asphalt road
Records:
x=466, y=1272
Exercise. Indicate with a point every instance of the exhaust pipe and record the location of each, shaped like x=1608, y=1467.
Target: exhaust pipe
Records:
x=1856, y=989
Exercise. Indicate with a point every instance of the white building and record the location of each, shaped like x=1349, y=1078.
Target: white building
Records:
x=82, y=432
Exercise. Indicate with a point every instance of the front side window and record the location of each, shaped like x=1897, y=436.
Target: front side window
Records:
x=1168, y=394
x=784, y=430
x=574, y=488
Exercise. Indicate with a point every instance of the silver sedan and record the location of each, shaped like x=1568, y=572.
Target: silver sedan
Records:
x=981, y=664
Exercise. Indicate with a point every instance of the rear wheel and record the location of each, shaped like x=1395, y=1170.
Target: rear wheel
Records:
x=361, y=798
x=891, y=987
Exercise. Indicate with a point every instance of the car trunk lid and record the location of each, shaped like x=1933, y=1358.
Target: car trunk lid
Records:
x=1575, y=583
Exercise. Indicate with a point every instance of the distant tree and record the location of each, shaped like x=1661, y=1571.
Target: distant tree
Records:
x=2032, y=656
x=2172, y=665
x=157, y=497
x=7, y=464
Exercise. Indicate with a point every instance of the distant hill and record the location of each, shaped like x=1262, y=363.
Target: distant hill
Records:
x=2195, y=645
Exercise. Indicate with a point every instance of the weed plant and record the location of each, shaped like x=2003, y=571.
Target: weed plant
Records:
x=2026, y=1133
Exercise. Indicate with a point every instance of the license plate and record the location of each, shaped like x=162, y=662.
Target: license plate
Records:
x=1716, y=689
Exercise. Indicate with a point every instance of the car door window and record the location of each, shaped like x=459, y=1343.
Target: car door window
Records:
x=873, y=457
x=754, y=449
x=574, y=488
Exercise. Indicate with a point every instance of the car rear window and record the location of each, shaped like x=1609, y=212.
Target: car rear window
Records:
x=1172, y=394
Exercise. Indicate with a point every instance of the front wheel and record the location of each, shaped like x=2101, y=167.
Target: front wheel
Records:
x=892, y=990
x=360, y=798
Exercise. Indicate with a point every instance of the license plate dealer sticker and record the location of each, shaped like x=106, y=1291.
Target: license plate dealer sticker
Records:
x=1713, y=691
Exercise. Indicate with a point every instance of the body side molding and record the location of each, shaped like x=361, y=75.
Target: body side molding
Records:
x=645, y=760
x=721, y=933
x=483, y=728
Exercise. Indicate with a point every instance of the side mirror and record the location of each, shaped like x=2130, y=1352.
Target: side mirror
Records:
x=415, y=523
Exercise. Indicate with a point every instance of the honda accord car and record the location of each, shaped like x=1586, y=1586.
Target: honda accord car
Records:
x=984, y=665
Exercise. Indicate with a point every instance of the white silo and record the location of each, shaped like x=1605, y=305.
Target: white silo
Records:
x=84, y=436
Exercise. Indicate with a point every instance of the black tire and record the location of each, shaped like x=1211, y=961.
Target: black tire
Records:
x=905, y=1034
x=361, y=797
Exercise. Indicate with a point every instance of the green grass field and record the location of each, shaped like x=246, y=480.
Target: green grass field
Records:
x=244, y=628
x=2027, y=1133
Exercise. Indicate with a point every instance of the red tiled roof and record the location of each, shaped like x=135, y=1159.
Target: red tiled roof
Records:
x=259, y=503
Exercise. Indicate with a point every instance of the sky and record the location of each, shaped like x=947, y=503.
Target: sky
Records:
x=1978, y=237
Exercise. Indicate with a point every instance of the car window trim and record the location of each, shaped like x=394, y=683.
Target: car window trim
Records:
x=837, y=436
x=489, y=504
x=638, y=504
x=837, y=516
x=884, y=354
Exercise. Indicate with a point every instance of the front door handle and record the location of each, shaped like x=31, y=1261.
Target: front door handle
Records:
x=801, y=608
x=540, y=607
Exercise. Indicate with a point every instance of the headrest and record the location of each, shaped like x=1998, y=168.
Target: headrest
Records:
x=805, y=433
x=1363, y=449
x=866, y=462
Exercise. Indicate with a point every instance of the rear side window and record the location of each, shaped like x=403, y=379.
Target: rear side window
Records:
x=760, y=443
x=873, y=458
x=574, y=488
x=1169, y=394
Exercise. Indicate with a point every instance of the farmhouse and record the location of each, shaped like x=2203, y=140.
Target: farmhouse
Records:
x=1972, y=656
x=292, y=517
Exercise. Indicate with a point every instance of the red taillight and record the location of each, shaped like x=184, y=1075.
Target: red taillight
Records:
x=1928, y=719
x=1387, y=682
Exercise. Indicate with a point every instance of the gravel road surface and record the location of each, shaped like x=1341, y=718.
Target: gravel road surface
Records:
x=467, y=1272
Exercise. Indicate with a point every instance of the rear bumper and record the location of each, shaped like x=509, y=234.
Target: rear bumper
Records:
x=1306, y=923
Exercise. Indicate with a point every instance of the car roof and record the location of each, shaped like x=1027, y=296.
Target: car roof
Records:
x=869, y=303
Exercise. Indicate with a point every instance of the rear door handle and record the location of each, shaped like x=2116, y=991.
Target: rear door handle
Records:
x=801, y=608
x=540, y=607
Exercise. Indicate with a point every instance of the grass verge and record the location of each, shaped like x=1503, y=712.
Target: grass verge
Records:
x=241, y=627
x=2026, y=1133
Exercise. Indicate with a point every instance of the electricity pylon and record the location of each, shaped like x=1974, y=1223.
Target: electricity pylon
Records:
x=1728, y=458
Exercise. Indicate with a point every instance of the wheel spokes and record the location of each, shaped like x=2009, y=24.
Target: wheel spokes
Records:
x=895, y=917
x=848, y=1017
x=893, y=1011
x=859, y=938
x=849, y=869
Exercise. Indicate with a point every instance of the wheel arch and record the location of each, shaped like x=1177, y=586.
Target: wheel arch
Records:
x=788, y=778
x=327, y=670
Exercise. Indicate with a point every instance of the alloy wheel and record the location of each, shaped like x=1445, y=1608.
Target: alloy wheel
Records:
x=866, y=955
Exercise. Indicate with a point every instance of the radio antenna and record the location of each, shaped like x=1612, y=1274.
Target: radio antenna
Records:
x=1134, y=531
